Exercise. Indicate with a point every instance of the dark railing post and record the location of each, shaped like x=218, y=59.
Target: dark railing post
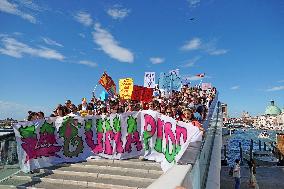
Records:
x=264, y=146
x=225, y=152
x=241, y=152
x=251, y=148
x=259, y=145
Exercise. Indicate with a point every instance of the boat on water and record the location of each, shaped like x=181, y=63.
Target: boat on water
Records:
x=262, y=158
x=264, y=134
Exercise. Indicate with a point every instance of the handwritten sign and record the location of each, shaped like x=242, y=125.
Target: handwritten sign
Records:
x=125, y=88
x=149, y=79
x=206, y=86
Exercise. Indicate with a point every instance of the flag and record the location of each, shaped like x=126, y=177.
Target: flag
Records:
x=200, y=75
x=107, y=83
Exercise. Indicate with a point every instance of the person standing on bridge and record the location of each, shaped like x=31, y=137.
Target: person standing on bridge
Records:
x=237, y=174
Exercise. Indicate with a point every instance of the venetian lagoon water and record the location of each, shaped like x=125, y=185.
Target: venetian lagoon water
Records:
x=233, y=150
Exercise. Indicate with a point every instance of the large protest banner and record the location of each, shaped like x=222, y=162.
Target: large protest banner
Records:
x=43, y=143
x=149, y=79
x=125, y=88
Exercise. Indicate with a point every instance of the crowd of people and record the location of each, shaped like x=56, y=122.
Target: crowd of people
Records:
x=190, y=104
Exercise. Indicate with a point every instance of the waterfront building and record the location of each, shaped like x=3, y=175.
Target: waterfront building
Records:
x=272, y=109
x=224, y=108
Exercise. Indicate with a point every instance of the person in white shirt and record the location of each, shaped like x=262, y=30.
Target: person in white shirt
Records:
x=237, y=174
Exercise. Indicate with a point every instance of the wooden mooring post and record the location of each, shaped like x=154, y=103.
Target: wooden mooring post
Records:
x=250, y=149
x=241, y=152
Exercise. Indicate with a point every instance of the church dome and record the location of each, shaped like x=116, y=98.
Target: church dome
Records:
x=272, y=110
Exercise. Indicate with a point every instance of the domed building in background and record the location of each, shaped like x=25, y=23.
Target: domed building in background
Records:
x=272, y=110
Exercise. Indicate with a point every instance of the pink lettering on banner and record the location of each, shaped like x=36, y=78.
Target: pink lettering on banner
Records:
x=170, y=135
x=118, y=142
x=133, y=138
x=109, y=136
x=34, y=149
x=181, y=131
x=159, y=140
x=98, y=147
x=149, y=121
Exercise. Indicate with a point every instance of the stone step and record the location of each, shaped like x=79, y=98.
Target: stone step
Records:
x=146, y=165
x=92, y=168
x=63, y=182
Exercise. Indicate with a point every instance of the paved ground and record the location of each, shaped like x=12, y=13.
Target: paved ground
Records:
x=227, y=182
x=267, y=178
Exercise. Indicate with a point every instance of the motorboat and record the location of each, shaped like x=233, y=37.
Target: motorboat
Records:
x=264, y=134
x=262, y=158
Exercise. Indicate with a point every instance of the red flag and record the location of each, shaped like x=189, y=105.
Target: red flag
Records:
x=107, y=83
x=200, y=75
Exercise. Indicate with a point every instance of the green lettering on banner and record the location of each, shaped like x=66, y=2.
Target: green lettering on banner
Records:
x=69, y=132
x=146, y=136
x=99, y=125
x=158, y=145
x=170, y=156
x=28, y=132
x=107, y=125
x=116, y=124
x=132, y=124
x=47, y=128
x=88, y=125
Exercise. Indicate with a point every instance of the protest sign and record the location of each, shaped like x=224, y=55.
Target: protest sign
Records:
x=206, y=86
x=140, y=93
x=149, y=79
x=170, y=81
x=125, y=88
x=103, y=95
x=47, y=142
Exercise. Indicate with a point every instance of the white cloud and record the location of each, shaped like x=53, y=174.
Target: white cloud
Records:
x=88, y=63
x=235, y=87
x=82, y=35
x=193, y=78
x=110, y=46
x=193, y=44
x=218, y=52
x=191, y=62
x=18, y=111
x=276, y=88
x=209, y=47
x=11, y=8
x=83, y=18
x=157, y=60
x=51, y=42
x=117, y=12
x=14, y=48
x=193, y=3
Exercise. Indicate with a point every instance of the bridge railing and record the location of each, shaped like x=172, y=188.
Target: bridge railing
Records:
x=192, y=169
x=8, y=155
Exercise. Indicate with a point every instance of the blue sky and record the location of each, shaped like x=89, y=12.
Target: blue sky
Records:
x=51, y=51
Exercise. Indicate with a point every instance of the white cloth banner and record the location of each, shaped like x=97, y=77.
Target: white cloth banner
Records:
x=149, y=79
x=43, y=143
